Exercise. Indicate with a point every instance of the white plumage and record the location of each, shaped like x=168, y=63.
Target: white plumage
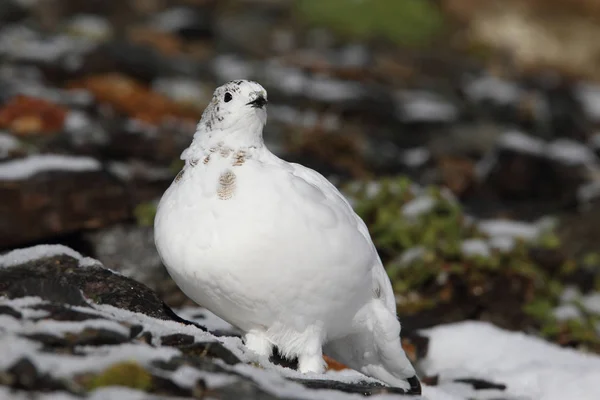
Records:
x=275, y=249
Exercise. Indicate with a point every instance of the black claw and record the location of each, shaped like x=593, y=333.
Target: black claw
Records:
x=415, y=385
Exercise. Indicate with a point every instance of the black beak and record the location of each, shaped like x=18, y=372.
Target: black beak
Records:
x=259, y=102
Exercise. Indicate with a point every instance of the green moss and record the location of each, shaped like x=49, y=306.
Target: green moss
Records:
x=128, y=373
x=405, y=22
x=440, y=272
x=144, y=213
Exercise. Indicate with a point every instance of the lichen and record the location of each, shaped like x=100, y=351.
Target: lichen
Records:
x=127, y=373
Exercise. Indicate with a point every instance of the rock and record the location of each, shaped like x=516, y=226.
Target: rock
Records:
x=6, y=310
x=104, y=329
x=124, y=247
x=51, y=204
x=61, y=279
x=480, y=384
x=176, y=339
x=24, y=375
x=26, y=116
x=12, y=11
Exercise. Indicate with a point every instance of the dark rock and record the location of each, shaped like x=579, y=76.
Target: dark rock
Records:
x=87, y=337
x=364, y=388
x=245, y=389
x=145, y=337
x=135, y=330
x=61, y=279
x=176, y=339
x=59, y=312
x=11, y=11
x=480, y=384
x=55, y=203
x=165, y=386
x=96, y=337
x=6, y=310
x=49, y=342
x=210, y=350
x=24, y=375
x=124, y=248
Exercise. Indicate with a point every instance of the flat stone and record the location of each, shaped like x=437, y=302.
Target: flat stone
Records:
x=56, y=203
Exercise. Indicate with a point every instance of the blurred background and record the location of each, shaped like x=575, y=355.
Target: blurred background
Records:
x=465, y=133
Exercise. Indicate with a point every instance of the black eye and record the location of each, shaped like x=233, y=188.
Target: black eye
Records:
x=228, y=97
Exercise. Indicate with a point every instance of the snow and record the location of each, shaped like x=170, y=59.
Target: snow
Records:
x=182, y=90
x=354, y=55
x=571, y=152
x=8, y=144
x=496, y=90
x=512, y=229
x=228, y=67
x=588, y=95
x=59, y=328
x=418, y=206
x=475, y=247
x=528, y=366
x=522, y=142
x=332, y=90
x=205, y=318
x=306, y=118
x=415, y=157
x=29, y=166
x=422, y=106
x=24, y=44
x=21, y=256
x=187, y=377
x=174, y=19
x=92, y=26
x=591, y=303
x=502, y=243
x=412, y=254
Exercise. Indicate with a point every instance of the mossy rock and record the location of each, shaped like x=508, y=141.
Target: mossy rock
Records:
x=128, y=373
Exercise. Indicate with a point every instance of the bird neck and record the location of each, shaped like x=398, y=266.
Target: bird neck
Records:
x=238, y=138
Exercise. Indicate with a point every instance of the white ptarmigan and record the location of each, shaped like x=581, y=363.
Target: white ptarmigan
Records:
x=275, y=249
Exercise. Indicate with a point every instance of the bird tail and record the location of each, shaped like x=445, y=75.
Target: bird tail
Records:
x=374, y=348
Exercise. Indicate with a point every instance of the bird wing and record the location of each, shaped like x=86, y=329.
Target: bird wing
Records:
x=374, y=348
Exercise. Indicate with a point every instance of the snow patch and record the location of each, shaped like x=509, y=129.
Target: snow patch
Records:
x=22, y=256
x=475, y=247
x=29, y=166
x=8, y=144
x=527, y=365
x=418, y=206
x=512, y=229
x=521, y=142
x=422, y=106
x=493, y=89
